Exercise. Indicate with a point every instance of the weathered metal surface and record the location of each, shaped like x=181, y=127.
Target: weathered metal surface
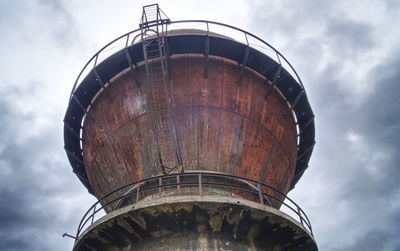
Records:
x=221, y=126
x=196, y=223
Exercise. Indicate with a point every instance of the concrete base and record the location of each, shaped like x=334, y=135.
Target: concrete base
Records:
x=196, y=223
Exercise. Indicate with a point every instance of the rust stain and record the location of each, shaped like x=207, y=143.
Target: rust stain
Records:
x=220, y=126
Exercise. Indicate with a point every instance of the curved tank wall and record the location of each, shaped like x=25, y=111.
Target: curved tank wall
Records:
x=240, y=128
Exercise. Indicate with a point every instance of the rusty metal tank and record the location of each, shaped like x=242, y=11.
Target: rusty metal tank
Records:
x=190, y=134
x=222, y=124
x=204, y=102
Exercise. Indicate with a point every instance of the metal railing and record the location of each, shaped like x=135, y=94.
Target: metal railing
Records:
x=193, y=183
x=210, y=27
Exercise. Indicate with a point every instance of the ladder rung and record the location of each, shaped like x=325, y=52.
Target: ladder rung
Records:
x=157, y=83
x=159, y=97
x=155, y=69
x=153, y=47
x=152, y=57
x=153, y=53
x=157, y=101
x=165, y=144
x=158, y=86
x=164, y=138
x=159, y=93
x=169, y=154
x=165, y=150
x=160, y=108
x=158, y=89
x=157, y=79
x=164, y=120
x=157, y=76
x=151, y=50
x=152, y=44
x=161, y=104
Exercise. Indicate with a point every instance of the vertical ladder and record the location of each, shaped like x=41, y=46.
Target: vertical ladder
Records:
x=153, y=28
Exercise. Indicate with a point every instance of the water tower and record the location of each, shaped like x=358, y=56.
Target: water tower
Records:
x=190, y=134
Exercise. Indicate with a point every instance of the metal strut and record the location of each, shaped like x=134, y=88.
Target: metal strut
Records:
x=153, y=28
x=274, y=80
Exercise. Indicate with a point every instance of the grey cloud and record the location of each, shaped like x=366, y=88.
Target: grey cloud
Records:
x=392, y=5
x=369, y=184
x=33, y=175
x=348, y=38
x=371, y=241
x=356, y=155
x=355, y=190
x=39, y=21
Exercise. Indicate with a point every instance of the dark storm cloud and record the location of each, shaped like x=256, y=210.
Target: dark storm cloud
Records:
x=32, y=177
x=370, y=241
x=383, y=109
x=373, y=188
x=35, y=179
x=355, y=162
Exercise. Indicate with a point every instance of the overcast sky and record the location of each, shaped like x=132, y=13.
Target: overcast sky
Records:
x=346, y=52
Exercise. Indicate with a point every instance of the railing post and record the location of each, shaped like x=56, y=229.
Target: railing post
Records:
x=137, y=192
x=95, y=61
x=178, y=187
x=299, y=213
x=94, y=210
x=277, y=56
x=159, y=184
x=200, y=186
x=260, y=193
x=127, y=40
x=70, y=236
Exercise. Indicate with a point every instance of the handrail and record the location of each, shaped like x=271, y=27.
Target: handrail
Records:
x=249, y=187
x=127, y=35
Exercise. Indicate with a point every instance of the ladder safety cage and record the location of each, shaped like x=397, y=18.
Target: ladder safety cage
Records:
x=153, y=15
